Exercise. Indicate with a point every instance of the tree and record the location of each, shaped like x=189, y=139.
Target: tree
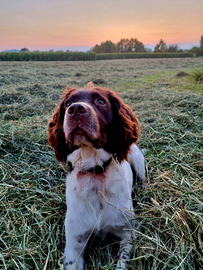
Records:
x=107, y=47
x=201, y=43
x=24, y=50
x=195, y=50
x=120, y=45
x=161, y=46
x=139, y=46
x=132, y=45
x=149, y=50
x=96, y=49
x=173, y=48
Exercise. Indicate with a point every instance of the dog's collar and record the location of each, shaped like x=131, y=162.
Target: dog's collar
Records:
x=97, y=169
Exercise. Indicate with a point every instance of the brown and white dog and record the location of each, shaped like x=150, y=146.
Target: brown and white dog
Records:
x=95, y=132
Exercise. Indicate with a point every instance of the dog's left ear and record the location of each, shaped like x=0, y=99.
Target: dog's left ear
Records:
x=56, y=136
x=125, y=128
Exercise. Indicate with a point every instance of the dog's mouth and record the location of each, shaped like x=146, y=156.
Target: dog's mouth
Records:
x=80, y=137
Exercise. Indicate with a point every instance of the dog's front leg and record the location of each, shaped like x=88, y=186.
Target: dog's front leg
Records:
x=74, y=251
x=125, y=246
x=127, y=234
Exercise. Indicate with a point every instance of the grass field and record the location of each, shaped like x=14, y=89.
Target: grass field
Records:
x=169, y=105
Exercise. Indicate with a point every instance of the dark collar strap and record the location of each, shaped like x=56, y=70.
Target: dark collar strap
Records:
x=97, y=169
x=100, y=168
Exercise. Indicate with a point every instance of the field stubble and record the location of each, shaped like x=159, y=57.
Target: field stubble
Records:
x=32, y=202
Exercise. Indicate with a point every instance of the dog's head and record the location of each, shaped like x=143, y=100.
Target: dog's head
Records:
x=95, y=116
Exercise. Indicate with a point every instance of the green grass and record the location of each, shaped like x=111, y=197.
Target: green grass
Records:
x=168, y=80
x=32, y=183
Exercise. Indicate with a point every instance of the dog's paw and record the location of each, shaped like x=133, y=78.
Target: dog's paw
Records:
x=121, y=265
x=69, y=265
x=73, y=265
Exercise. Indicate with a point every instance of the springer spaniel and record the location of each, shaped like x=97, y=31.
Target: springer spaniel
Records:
x=95, y=132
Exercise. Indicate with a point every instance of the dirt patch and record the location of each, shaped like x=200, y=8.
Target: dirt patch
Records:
x=78, y=74
x=182, y=74
x=98, y=81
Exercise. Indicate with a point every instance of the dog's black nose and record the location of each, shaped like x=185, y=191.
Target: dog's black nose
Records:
x=76, y=108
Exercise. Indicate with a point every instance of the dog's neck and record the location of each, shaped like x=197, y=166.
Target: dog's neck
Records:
x=89, y=159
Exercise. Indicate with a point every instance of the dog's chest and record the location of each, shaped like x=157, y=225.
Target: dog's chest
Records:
x=97, y=200
x=89, y=186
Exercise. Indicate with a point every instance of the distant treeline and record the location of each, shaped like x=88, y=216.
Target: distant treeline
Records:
x=124, y=45
x=134, y=45
x=47, y=56
x=124, y=49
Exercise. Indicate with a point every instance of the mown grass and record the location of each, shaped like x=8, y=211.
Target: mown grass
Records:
x=32, y=183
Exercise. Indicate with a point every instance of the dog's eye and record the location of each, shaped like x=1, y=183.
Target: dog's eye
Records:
x=101, y=101
x=68, y=103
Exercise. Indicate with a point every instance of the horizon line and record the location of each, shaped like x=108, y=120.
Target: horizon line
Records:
x=183, y=46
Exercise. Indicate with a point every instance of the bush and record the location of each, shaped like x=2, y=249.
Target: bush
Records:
x=197, y=75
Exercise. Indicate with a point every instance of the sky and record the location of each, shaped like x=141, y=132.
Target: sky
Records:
x=79, y=25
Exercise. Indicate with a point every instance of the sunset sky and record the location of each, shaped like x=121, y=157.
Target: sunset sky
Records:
x=79, y=24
